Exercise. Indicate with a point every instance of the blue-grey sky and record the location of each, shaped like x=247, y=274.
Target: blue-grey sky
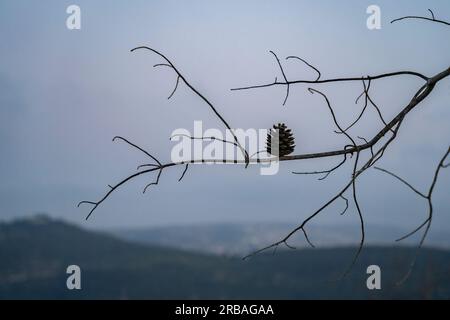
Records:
x=65, y=93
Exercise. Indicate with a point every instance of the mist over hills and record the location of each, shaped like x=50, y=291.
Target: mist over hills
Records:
x=34, y=255
x=241, y=239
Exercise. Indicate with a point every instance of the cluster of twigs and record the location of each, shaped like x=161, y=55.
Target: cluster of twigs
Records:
x=352, y=151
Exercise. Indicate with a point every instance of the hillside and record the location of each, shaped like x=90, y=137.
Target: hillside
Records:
x=34, y=254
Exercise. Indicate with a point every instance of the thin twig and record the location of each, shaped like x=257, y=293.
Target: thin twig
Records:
x=203, y=138
x=184, y=172
x=432, y=19
x=346, y=205
x=308, y=64
x=201, y=96
x=284, y=76
x=402, y=180
x=137, y=147
x=326, y=172
x=153, y=183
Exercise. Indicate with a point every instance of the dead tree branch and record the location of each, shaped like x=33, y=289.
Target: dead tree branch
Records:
x=201, y=96
x=428, y=197
x=432, y=19
x=374, y=147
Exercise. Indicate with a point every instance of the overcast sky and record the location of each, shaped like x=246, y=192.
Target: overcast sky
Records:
x=65, y=93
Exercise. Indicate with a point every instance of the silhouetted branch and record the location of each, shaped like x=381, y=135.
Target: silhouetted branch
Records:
x=203, y=138
x=365, y=140
x=365, y=94
x=346, y=205
x=201, y=96
x=147, y=165
x=154, y=183
x=333, y=114
x=309, y=65
x=184, y=172
x=326, y=172
x=377, y=144
x=332, y=80
x=284, y=76
x=361, y=218
x=137, y=147
x=112, y=189
x=307, y=238
x=423, y=92
x=427, y=222
x=402, y=180
x=174, y=89
x=432, y=19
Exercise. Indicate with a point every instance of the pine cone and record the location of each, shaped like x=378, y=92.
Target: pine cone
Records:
x=286, y=143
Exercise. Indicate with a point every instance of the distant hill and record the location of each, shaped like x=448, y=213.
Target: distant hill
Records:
x=240, y=239
x=34, y=254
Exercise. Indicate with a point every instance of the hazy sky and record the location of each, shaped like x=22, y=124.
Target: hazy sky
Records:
x=64, y=94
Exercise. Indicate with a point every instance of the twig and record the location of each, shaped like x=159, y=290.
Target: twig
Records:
x=201, y=96
x=137, y=147
x=349, y=79
x=428, y=220
x=346, y=204
x=204, y=138
x=284, y=76
x=153, y=183
x=326, y=172
x=309, y=65
x=184, y=172
x=432, y=19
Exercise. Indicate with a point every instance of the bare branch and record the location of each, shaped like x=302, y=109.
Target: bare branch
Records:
x=202, y=97
x=369, y=99
x=432, y=19
x=204, y=138
x=428, y=220
x=346, y=204
x=333, y=115
x=153, y=183
x=307, y=238
x=361, y=219
x=432, y=14
x=350, y=79
x=309, y=65
x=257, y=153
x=112, y=189
x=326, y=172
x=137, y=147
x=355, y=175
x=421, y=94
x=365, y=93
x=402, y=180
x=162, y=65
x=147, y=165
x=377, y=145
x=365, y=140
x=175, y=89
x=184, y=172
x=284, y=76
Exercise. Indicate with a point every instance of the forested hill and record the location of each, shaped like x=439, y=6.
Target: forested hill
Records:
x=34, y=255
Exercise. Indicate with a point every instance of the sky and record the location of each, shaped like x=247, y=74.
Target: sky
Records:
x=64, y=94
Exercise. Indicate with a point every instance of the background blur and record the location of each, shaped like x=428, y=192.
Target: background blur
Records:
x=65, y=93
